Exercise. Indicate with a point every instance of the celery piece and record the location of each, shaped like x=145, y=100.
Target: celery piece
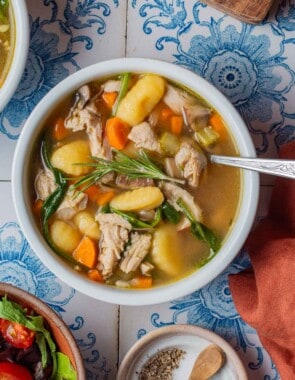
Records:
x=169, y=143
x=207, y=136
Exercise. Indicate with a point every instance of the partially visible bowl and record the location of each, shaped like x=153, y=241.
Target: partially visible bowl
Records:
x=22, y=194
x=20, y=45
x=60, y=333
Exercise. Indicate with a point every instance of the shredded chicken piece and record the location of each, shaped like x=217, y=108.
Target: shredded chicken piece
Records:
x=144, y=137
x=44, y=184
x=85, y=116
x=136, y=252
x=186, y=105
x=111, y=86
x=72, y=203
x=146, y=268
x=114, y=235
x=191, y=162
x=173, y=193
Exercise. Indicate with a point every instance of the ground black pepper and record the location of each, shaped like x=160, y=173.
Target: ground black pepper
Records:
x=162, y=365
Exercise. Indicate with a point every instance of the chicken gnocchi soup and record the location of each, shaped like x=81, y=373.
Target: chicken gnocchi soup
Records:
x=121, y=185
x=6, y=39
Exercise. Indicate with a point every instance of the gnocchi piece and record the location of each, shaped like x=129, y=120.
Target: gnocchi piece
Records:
x=143, y=198
x=65, y=236
x=65, y=158
x=87, y=224
x=166, y=250
x=141, y=99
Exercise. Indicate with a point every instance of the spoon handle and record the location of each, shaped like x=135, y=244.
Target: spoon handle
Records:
x=282, y=168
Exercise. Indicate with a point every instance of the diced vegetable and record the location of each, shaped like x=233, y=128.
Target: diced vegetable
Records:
x=93, y=192
x=109, y=98
x=141, y=99
x=167, y=112
x=207, y=137
x=87, y=224
x=86, y=252
x=67, y=156
x=218, y=124
x=13, y=371
x=105, y=197
x=37, y=208
x=64, y=235
x=169, y=143
x=143, y=198
x=166, y=250
x=117, y=132
x=142, y=282
x=59, y=129
x=176, y=124
x=95, y=275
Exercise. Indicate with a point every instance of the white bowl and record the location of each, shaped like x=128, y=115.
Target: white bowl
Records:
x=21, y=193
x=21, y=48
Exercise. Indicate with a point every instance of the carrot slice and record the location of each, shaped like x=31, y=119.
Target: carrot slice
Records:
x=142, y=282
x=218, y=124
x=105, y=197
x=86, y=252
x=109, y=98
x=117, y=132
x=93, y=192
x=176, y=124
x=59, y=129
x=37, y=207
x=166, y=113
x=95, y=275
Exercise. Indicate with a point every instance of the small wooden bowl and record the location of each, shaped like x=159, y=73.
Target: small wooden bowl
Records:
x=62, y=336
x=250, y=11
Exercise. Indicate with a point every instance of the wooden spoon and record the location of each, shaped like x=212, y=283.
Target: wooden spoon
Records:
x=209, y=361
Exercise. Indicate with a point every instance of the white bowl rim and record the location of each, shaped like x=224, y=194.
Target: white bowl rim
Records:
x=19, y=59
x=156, y=295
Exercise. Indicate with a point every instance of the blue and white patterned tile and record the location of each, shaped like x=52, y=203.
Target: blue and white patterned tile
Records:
x=252, y=65
x=65, y=36
x=86, y=317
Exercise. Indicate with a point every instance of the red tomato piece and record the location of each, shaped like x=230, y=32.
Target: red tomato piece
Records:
x=17, y=335
x=12, y=371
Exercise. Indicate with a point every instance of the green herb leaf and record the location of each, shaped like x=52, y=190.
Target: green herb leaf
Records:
x=136, y=222
x=169, y=213
x=140, y=167
x=65, y=370
x=200, y=231
x=3, y=9
x=125, y=78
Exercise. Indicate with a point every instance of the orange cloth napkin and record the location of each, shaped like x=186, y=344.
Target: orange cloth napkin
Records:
x=265, y=294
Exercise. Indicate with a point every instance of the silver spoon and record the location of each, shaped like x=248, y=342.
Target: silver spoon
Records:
x=282, y=168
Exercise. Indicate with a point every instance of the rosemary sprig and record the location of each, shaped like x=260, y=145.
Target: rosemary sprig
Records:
x=139, y=167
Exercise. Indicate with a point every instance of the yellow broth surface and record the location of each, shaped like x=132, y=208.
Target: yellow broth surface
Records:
x=167, y=249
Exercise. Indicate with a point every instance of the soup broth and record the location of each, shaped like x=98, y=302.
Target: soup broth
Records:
x=6, y=39
x=122, y=188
